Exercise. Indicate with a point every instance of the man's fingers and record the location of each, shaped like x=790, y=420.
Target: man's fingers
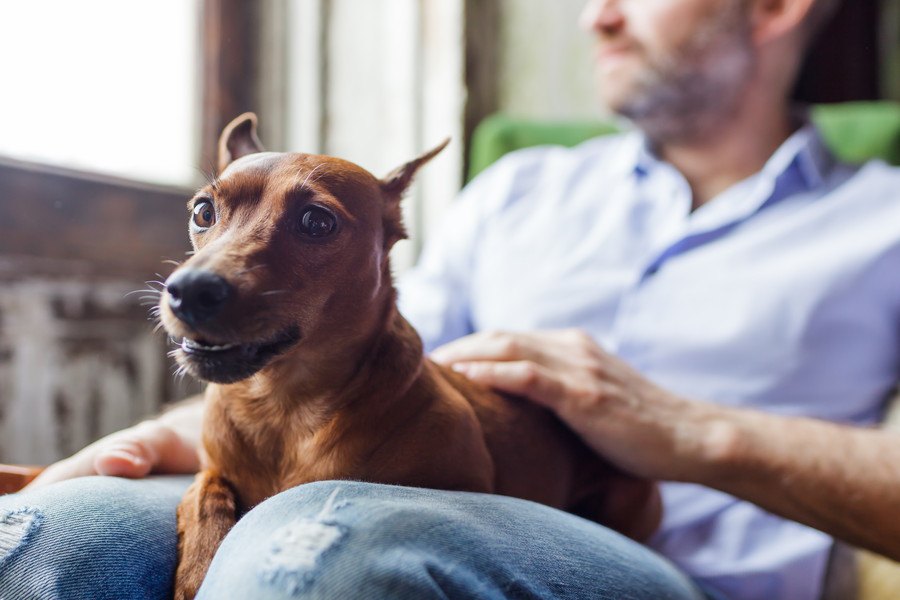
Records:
x=488, y=346
x=122, y=463
x=474, y=347
x=135, y=452
x=521, y=378
x=149, y=446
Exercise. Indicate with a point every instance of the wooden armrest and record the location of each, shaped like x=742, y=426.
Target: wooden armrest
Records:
x=14, y=477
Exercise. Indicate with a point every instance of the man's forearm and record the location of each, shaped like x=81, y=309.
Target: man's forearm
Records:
x=839, y=479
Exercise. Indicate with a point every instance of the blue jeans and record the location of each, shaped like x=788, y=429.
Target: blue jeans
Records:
x=96, y=538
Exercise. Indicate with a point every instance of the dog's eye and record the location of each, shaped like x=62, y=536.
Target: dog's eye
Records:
x=317, y=222
x=204, y=214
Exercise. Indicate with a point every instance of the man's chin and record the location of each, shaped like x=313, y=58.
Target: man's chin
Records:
x=617, y=102
x=619, y=88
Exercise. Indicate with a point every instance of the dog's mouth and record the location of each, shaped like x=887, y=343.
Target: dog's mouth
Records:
x=227, y=363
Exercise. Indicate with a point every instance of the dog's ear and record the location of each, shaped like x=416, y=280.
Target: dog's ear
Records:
x=394, y=184
x=397, y=181
x=238, y=139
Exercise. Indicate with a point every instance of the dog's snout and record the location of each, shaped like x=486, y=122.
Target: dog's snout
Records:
x=196, y=296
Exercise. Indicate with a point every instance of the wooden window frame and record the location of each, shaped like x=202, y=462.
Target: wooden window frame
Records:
x=58, y=221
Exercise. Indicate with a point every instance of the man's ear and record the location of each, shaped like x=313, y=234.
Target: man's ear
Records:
x=772, y=19
x=238, y=139
x=393, y=186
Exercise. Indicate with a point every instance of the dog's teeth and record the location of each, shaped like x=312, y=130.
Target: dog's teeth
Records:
x=225, y=347
x=187, y=343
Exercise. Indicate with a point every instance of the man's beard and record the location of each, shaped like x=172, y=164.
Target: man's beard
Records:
x=685, y=95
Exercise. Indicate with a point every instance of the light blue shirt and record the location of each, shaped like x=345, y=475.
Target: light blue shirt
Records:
x=782, y=293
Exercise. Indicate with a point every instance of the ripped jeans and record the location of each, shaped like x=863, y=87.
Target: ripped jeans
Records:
x=107, y=538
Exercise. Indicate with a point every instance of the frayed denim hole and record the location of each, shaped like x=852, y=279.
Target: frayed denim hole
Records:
x=297, y=548
x=16, y=528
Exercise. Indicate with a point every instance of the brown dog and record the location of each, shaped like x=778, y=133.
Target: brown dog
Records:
x=288, y=309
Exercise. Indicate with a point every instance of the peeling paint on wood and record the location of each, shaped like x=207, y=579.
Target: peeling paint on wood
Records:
x=78, y=360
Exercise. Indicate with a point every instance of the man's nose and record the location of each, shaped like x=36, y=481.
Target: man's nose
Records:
x=602, y=16
x=197, y=295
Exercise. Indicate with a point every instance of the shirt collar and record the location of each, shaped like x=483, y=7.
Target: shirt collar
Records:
x=804, y=150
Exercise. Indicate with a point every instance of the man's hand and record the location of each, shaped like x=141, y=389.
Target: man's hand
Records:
x=630, y=421
x=840, y=479
x=167, y=444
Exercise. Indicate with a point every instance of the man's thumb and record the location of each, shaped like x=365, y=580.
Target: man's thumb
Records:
x=122, y=462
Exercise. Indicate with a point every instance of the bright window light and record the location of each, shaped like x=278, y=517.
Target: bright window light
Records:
x=102, y=85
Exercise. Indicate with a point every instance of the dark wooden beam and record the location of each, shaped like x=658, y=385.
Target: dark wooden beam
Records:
x=230, y=72
x=482, y=22
x=55, y=219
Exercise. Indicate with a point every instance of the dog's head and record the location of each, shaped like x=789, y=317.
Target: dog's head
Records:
x=290, y=252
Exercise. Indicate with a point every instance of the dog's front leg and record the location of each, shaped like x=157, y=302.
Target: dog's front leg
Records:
x=206, y=513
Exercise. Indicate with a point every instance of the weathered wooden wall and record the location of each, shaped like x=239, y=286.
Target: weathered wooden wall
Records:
x=78, y=356
x=77, y=360
x=544, y=60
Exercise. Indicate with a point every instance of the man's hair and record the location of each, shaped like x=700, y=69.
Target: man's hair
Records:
x=817, y=18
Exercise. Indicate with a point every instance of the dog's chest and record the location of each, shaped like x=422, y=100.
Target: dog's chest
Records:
x=280, y=461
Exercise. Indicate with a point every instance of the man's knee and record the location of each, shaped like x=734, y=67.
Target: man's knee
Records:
x=87, y=538
x=339, y=540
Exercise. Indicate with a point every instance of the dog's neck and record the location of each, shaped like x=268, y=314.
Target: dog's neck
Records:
x=317, y=382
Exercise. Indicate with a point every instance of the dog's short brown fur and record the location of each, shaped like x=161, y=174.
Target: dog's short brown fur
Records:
x=288, y=309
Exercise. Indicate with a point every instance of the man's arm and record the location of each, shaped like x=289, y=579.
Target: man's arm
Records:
x=168, y=443
x=839, y=479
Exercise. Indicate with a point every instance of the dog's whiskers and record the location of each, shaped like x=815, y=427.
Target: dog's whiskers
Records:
x=150, y=298
x=147, y=290
x=179, y=373
x=169, y=261
x=310, y=174
x=273, y=292
x=209, y=175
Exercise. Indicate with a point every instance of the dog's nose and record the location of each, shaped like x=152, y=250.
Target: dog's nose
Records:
x=196, y=296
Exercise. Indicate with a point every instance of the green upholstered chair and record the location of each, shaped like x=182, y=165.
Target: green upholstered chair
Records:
x=854, y=131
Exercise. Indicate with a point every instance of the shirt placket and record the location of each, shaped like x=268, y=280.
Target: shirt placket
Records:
x=674, y=231
x=661, y=208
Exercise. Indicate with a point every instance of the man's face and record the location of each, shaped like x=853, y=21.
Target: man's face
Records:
x=670, y=64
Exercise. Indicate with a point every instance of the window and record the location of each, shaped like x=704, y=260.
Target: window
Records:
x=102, y=85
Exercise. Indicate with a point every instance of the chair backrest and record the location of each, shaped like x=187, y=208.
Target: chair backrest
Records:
x=855, y=132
